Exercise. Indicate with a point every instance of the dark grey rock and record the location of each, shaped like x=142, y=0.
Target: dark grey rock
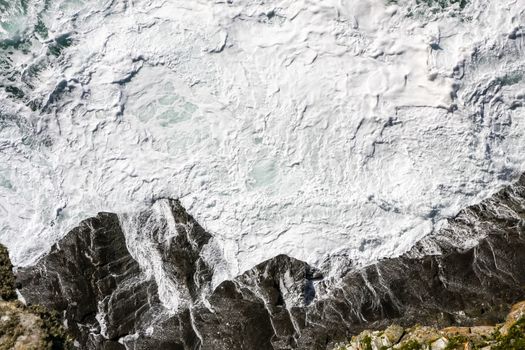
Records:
x=180, y=253
x=90, y=272
x=467, y=273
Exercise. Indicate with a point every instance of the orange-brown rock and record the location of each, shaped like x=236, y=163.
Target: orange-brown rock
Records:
x=516, y=312
x=452, y=331
x=450, y=338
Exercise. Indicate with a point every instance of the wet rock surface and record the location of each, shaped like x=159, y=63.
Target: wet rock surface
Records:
x=467, y=274
x=92, y=279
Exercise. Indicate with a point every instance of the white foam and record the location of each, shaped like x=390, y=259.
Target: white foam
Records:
x=300, y=127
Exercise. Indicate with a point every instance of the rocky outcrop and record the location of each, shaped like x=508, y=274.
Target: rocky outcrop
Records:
x=23, y=327
x=7, y=279
x=441, y=281
x=91, y=278
x=467, y=274
x=509, y=335
x=254, y=311
x=176, y=241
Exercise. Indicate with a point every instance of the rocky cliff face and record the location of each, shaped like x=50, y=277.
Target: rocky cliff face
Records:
x=91, y=277
x=468, y=273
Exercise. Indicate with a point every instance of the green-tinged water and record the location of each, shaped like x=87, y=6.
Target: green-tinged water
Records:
x=30, y=43
x=443, y=3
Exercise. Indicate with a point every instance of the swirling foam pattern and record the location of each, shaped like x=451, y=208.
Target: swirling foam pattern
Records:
x=308, y=127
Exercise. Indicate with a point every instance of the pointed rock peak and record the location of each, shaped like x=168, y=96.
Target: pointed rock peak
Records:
x=284, y=266
x=180, y=214
x=167, y=214
x=91, y=278
x=196, y=233
x=283, y=280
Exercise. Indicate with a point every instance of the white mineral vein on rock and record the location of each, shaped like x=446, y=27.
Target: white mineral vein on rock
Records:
x=310, y=128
